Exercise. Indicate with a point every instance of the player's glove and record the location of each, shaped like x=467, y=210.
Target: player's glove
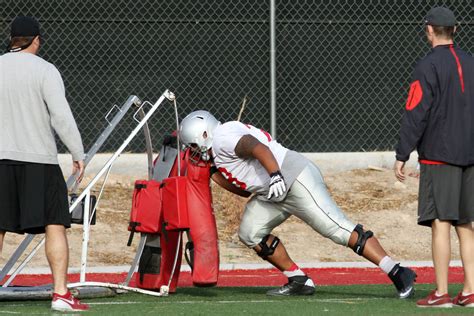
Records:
x=277, y=185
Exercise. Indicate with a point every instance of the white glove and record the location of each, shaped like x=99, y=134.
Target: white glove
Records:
x=277, y=185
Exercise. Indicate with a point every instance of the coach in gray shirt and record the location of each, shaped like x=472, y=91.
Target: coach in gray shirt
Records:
x=33, y=193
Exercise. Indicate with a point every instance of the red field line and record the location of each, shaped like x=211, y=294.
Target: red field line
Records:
x=263, y=277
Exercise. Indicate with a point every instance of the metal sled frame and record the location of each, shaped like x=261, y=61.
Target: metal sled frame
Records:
x=143, y=237
x=86, y=194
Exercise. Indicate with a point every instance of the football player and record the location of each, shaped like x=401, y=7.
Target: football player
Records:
x=283, y=183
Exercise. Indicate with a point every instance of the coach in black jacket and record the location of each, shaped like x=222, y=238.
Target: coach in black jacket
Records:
x=439, y=121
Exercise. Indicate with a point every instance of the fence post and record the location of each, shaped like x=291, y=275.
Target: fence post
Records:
x=272, y=70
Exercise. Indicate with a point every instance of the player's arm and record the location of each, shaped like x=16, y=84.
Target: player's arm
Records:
x=218, y=178
x=249, y=147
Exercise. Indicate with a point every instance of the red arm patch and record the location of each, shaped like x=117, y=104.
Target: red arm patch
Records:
x=414, y=96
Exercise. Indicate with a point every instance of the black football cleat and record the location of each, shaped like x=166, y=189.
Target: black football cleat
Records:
x=298, y=285
x=403, y=279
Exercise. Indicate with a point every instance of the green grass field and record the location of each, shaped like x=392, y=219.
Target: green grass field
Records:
x=329, y=300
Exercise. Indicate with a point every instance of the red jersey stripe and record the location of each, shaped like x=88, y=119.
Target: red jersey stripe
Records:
x=267, y=134
x=231, y=178
x=461, y=78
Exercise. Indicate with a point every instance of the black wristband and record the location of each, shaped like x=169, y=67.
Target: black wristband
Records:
x=276, y=173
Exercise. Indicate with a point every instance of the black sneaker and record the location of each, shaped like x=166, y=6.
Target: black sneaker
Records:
x=403, y=279
x=298, y=285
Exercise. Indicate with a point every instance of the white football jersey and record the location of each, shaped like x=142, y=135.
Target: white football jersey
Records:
x=247, y=174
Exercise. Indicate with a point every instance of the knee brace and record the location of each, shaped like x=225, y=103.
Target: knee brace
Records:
x=267, y=250
x=361, y=239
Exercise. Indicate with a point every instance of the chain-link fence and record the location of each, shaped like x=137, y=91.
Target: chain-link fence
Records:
x=342, y=67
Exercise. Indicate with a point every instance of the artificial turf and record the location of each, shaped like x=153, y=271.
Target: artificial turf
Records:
x=328, y=300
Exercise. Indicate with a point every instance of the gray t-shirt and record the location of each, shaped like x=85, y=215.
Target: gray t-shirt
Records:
x=32, y=104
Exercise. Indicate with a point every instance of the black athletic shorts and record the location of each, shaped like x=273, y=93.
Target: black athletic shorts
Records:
x=32, y=196
x=446, y=193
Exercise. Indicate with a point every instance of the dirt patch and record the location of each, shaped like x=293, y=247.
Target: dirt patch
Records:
x=372, y=198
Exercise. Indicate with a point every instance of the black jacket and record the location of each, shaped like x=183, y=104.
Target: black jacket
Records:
x=439, y=114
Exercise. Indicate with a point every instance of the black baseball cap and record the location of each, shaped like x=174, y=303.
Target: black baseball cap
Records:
x=25, y=26
x=440, y=16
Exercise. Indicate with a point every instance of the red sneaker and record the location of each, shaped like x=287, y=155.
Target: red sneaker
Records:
x=67, y=303
x=464, y=300
x=433, y=300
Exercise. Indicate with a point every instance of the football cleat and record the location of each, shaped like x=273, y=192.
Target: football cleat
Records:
x=403, y=279
x=297, y=285
x=433, y=300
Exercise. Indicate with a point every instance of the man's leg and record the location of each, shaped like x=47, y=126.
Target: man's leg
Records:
x=259, y=219
x=441, y=250
x=272, y=250
x=57, y=252
x=314, y=205
x=466, y=244
x=280, y=258
x=373, y=251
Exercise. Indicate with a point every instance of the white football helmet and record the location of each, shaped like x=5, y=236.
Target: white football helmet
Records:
x=197, y=128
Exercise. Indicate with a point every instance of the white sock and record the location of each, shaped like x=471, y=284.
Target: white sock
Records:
x=387, y=264
x=296, y=272
x=465, y=294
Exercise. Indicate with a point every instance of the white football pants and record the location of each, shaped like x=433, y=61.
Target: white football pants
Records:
x=307, y=199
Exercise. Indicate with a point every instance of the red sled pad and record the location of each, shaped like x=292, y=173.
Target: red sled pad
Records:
x=203, y=231
x=153, y=280
x=175, y=204
x=146, y=214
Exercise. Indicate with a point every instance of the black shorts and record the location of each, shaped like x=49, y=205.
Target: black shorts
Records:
x=32, y=196
x=446, y=193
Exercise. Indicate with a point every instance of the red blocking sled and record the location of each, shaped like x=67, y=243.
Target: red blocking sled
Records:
x=189, y=208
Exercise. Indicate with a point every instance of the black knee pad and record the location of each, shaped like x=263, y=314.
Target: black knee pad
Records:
x=267, y=250
x=361, y=239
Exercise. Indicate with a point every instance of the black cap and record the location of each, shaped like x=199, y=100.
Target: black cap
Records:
x=440, y=16
x=25, y=26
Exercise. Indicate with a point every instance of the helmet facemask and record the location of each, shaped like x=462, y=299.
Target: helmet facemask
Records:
x=198, y=154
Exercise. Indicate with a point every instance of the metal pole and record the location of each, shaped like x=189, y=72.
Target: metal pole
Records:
x=272, y=71
x=85, y=236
